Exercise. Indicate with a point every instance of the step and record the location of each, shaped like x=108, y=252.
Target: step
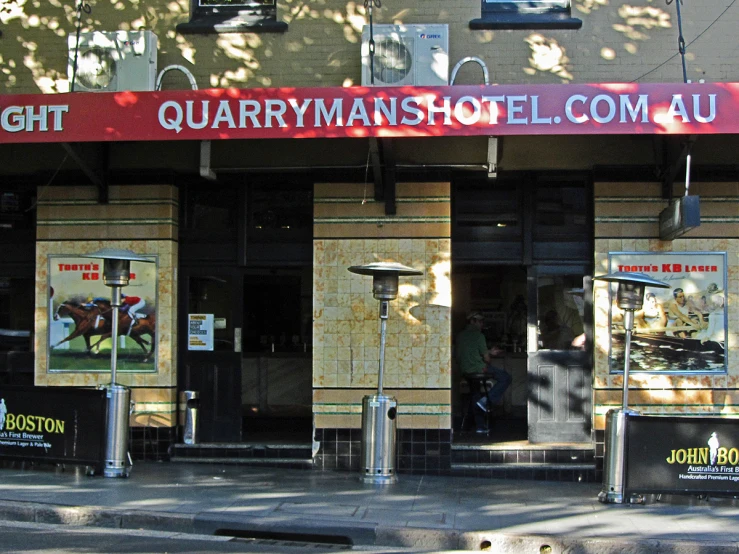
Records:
x=292, y=455
x=521, y=452
x=288, y=463
x=523, y=460
x=578, y=473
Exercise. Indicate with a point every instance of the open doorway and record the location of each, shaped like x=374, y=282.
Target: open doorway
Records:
x=498, y=293
x=276, y=367
x=521, y=253
x=255, y=381
x=246, y=261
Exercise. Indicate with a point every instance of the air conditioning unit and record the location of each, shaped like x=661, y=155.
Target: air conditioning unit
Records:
x=113, y=61
x=406, y=55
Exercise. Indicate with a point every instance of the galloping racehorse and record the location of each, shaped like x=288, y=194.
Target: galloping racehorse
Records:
x=142, y=326
x=87, y=323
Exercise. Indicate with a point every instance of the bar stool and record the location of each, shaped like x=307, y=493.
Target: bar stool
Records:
x=477, y=382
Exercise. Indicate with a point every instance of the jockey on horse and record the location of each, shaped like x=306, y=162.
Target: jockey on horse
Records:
x=88, y=322
x=93, y=303
x=138, y=324
x=131, y=305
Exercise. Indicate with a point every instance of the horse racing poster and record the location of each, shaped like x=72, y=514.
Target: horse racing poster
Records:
x=679, y=329
x=81, y=317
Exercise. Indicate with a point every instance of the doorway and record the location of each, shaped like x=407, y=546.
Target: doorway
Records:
x=246, y=260
x=499, y=294
x=255, y=383
x=560, y=363
x=522, y=252
x=276, y=363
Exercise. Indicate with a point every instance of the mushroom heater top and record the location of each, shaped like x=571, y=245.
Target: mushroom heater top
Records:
x=384, y=277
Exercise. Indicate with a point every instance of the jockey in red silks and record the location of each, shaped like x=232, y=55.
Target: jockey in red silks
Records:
x=132, y=304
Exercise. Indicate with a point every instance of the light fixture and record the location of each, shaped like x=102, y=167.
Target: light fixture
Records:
x=629, y=298
x=379, y=411
x=117, y=274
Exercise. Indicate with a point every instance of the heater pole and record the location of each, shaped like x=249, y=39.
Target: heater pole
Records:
x=379, y=412
x=383, y=332
x=116, y=303
x=629, y=298
x=628, y=326
x=116, y=275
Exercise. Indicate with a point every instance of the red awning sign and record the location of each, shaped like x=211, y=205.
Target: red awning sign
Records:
x=364, y=111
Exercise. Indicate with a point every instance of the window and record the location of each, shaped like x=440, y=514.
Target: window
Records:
x=560, y=213
x=280, y=212
x=525, y=14
x=486, y=213
x=16, y=314
x=210, y=215
x=560, y=311
x=230, y=16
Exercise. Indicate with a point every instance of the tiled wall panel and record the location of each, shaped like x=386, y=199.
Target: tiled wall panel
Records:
x=351, y=229
x=627, y=220
x=142, y=219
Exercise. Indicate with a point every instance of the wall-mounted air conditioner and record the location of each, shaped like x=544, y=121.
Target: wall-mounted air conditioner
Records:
x=113, y=61
x=407, y=55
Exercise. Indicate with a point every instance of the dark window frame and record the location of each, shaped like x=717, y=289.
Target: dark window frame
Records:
x=526, y=14
x=236, y=16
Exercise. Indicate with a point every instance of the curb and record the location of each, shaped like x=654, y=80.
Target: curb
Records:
x=93, y=516
x=370, y=534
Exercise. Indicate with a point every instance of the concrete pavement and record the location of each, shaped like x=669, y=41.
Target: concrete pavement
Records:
x=424, y=512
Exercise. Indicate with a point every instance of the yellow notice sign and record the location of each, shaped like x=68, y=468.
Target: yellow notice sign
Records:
x=200, y=332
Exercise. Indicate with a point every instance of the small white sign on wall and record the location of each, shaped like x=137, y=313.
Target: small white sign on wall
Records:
x=200, y=332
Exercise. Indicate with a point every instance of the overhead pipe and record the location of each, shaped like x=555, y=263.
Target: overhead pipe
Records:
x=493, y=150
x=182, y=68
x=460, y=63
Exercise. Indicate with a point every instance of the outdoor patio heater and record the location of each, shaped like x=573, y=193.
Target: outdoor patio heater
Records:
x=630, y=298
x=116, y=275
x=379, y=411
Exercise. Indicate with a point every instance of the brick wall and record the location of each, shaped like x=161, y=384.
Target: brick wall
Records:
x=619, y=41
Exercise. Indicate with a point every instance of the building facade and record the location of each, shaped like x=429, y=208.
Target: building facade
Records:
x=255, y=220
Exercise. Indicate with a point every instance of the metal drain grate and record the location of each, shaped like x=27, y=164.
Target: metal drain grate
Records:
x=303, y=541
x=298, y=545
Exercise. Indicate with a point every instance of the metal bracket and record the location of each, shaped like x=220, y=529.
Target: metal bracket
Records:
x=492, y=161
x=389, y=176
x=674, y=153
x=97, y=176
x=205, y=171
x=383, y=171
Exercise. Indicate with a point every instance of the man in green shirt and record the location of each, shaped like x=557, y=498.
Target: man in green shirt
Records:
x=474, y=357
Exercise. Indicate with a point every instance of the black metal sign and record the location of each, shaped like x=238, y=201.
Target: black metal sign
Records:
x=52, y=424
x=682, y=455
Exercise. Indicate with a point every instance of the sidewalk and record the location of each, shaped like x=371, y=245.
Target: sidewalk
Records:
x=424, y=512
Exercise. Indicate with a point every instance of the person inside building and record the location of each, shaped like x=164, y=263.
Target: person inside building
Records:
x=474, y=358
x=554, y=334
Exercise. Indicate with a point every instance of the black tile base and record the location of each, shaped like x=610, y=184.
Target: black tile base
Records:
x=419, y=451
x=152, y=443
